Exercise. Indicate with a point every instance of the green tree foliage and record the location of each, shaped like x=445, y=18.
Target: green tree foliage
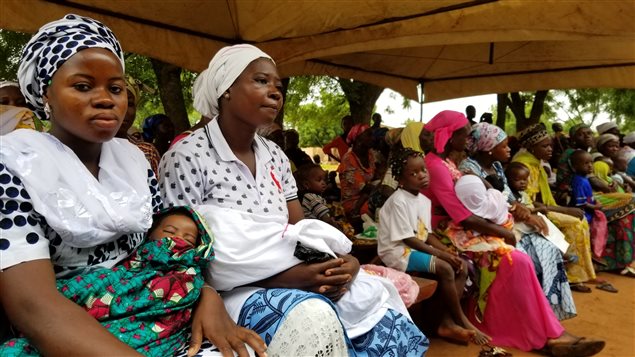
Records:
x=587, y=105
x=11, y=44
x=314, y=107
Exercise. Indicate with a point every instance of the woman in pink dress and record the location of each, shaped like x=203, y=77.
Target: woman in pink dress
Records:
x=515, y=312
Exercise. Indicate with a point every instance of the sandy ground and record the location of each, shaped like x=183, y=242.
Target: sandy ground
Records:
x=601, y=315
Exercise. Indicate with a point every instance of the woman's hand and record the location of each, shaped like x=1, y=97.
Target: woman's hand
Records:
x=538, y=223
x=573, y=211
x=520, y=212
x=212, y=322
x=349, y=269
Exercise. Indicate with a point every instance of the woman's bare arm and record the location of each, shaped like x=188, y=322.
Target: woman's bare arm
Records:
x=483, y=226
x=53, y=324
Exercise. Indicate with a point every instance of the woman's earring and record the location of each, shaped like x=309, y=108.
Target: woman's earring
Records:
x=47, y=110
x=226, y=95
x=489, y=153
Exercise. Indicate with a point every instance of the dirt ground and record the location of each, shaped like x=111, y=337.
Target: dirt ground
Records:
x=601, y=315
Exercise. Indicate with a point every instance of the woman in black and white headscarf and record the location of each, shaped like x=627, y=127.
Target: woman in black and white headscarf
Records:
x=75, y=199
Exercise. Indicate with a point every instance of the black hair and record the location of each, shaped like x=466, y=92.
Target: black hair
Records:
x=515, y=166
x=399, y=159
x=577, y=154
x=303, y=173
x=178, y=210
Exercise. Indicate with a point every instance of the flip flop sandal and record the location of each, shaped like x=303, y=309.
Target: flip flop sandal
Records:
x=492, y=351
x=581, y=288
x=580, y=348
x=606, y=286
x=628, y=271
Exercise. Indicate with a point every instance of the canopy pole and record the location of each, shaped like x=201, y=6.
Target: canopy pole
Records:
x=421, y=101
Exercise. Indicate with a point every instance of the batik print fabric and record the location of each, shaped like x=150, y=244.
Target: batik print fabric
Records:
x=394, y=335
x=146, y=302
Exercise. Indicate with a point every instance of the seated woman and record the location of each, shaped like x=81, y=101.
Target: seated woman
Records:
x=359, y=175
x=619, y=208
x=148, y=298
x=62, y=192
x=516, y=312
x=226, y=165
x=570, y=220
x=487, y=148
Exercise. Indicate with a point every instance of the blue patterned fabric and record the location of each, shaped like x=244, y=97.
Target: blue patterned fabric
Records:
x=550, y=272
x=394, y=335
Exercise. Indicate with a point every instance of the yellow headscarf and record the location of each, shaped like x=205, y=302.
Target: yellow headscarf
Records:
x=538, y=180
x=410, y=136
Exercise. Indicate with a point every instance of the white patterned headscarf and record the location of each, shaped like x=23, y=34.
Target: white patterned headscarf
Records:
x=228, y=63
x=52, y=46
x=484, y=137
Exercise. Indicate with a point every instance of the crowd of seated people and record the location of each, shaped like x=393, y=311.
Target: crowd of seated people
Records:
x=508, y=233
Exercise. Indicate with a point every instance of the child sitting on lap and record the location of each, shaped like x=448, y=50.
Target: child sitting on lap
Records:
x=311, y=180
x=405, y=244
x=147, y=300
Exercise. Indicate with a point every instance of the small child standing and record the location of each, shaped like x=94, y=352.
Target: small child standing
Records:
x=311, y=180
x=582, y=197
x=405, y=244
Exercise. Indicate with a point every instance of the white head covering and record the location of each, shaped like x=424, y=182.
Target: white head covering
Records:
x=488, y=204
x=9, y=84
x=228, y=63
x=603, y=128
x=629, y=138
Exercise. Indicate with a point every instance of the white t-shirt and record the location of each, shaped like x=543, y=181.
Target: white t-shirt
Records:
x=403, y=216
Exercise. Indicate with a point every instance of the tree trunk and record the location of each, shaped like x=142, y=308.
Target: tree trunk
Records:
x=538, y=107
x=171, y=93
x=361, y=98
x=501, y=110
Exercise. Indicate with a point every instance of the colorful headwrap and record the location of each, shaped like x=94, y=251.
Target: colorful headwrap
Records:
x=443, y=125
x=228, y=63
x=133, y=86
x=150, y=123
x=605, y=138
x=354, y=132
x=484, y=137
x=604, y=127
x=410, y=136
x=393, y=136
x=532, y=135
x=9, y=84
x=52, y=46
x=574, y=129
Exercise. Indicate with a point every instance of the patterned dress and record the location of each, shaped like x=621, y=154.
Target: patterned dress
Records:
x=547, y=259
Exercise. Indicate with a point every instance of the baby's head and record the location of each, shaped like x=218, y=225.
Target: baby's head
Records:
x=517, y=176
x=581, y=162
x=311, y=178
x=175, y=224
x=409, y=169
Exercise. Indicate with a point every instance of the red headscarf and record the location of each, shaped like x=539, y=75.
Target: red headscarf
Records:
x=443, y=125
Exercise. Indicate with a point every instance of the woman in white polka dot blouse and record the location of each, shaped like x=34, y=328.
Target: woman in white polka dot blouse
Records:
x=225, y=164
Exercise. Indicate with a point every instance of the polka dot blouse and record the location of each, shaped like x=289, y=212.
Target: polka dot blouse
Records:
x=25, y=235
x=202, y=169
